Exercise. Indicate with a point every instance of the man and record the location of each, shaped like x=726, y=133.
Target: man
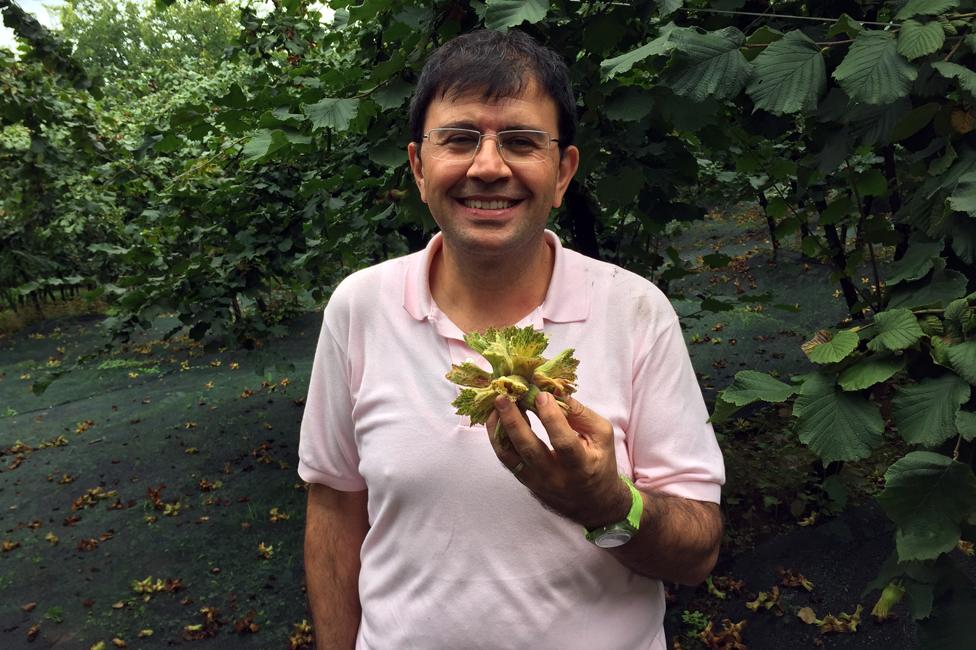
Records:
x=422, y=534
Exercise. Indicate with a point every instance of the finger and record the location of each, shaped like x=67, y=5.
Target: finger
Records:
x=504, y=451
x=586, y=421
x=564, y=439
x=524, y=441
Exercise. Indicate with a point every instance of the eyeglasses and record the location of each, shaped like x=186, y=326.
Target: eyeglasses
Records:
x=462, y=145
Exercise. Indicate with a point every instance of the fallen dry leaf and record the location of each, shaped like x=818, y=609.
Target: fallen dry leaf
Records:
x=767, y=601
x=301, y=637
x=246, y=625
x=791, y=578
x=807, y=615
x=729, y=638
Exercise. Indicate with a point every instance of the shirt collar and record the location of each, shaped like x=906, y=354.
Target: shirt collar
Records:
x=567, y=300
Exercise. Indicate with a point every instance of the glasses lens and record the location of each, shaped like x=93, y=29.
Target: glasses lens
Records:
x=454, y=144
x=461, y=145
x=523, y=146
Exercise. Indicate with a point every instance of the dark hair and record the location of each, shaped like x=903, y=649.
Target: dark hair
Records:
x=499, y=65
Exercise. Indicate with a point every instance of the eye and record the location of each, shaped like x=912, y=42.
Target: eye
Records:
x=459, y=138
x=522, y=141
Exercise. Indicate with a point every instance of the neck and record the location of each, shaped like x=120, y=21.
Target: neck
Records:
x=491, y=291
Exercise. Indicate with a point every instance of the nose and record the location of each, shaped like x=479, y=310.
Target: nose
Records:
x=488, y=164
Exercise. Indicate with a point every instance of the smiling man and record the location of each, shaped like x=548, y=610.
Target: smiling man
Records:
x=421, y=531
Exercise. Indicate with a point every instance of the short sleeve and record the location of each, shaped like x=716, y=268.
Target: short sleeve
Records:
x=327, y=450
x=672, y=445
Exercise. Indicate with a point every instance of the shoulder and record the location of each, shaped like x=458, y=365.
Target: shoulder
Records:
x=364, y=286
x=365, y=294
x=615, y=285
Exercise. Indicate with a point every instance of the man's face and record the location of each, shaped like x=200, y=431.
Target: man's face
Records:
x=489, y=206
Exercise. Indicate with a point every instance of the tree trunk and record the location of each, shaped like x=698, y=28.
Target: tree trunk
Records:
x=581, y=215
x=763, y=203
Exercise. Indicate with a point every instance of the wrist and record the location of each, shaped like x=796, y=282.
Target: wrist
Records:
x=613, y=507
x=620, y=530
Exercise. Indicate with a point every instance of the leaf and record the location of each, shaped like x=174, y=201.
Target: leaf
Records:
x=963, y=197
x=788, y=76
x=966, y=425
x=950, y=625
x=917, y=262
x=915, y=121
x=956, y=314
x=870, y=371
x=927, y=495
x=836, y=425
x=925, y=413
x=629, y=104
x=963, y=360
x=963, y=230
x=762, y=36
x=723, y=410
x=827, y=348
x=663, y=44
x=939, y=290
x=965, y=76
x=844, y=25
x=502, y=14
x=871, y=183
x=751, y=386
x=392, y=95
x=708, y=65
x=897, y=329
x=917, y=40
x=331, y=113
x=873, y=72
x=925, y=8
x=837, y=210
x=667, y=7
x=387, y=153
x=264, y=142
x=716, y=260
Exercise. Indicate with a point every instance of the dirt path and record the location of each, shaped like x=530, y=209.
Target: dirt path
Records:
x=149, y=495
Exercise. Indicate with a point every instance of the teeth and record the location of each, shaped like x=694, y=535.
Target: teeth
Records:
x=489, y=205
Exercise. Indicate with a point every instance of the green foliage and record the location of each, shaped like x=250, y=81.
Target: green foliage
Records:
x=789, y=75
x=708, y=65
x=833, y=348
x=927, y=495
x=835, y=424
x=896, y=329
x=873, y=71
x=916, y=39
x=502, y=14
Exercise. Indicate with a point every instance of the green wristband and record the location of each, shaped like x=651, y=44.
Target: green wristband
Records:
x=636, y=503
x=620, y=532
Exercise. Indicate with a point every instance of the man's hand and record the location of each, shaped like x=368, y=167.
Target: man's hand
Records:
x=578, y=477
x=678, y=539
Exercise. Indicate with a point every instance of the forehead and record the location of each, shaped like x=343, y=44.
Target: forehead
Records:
x=532, y=108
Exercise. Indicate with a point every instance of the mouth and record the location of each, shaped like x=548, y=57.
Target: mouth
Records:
x=489, y=204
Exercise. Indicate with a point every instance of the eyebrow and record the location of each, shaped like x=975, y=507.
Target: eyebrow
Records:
x=461, y=124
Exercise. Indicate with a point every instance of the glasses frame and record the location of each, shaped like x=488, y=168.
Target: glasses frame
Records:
x=498, y=143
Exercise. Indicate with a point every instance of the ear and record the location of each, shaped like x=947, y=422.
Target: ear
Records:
x=568, y=164
x=417, y=167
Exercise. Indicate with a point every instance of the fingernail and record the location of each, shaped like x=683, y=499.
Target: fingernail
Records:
x=502, y=404
x=542, y=399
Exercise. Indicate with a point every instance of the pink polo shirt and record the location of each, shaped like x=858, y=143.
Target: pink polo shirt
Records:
x=459, y=554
